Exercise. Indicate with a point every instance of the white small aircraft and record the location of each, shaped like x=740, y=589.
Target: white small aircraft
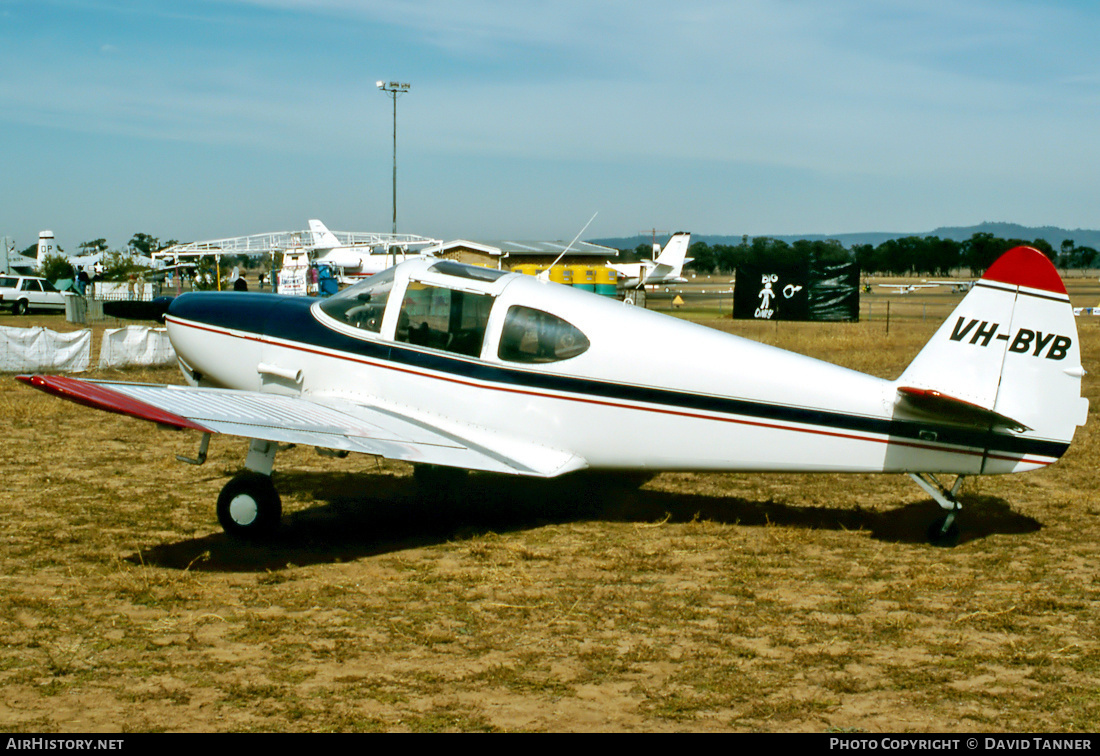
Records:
x=956, y=286
x=667, y=267
x=909, y=288
x=447, y=365
x=354, y=261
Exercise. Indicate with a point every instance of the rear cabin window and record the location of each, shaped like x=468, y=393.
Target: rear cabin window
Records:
x=442, y=318
x=364, y=304
x=535, y=336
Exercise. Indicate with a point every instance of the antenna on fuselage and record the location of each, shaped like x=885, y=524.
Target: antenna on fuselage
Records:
x=545, y=275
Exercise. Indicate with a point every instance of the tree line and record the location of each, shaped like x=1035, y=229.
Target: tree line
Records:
x=910, y=255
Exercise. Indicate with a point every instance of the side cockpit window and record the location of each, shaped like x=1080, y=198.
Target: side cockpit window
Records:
x=534, y=336
x=443, y=318
x=364, y=304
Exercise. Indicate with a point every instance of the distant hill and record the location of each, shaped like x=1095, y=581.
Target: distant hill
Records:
x=1052, y=234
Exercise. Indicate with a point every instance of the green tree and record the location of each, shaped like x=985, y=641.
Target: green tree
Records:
x=144, y=244
x=119, y=267
x=55, y=267
x=981, y=250
x=95, y=246
x=1066, y=255
x=702, y=257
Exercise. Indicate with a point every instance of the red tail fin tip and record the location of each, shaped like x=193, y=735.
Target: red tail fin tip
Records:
x=1026, y=266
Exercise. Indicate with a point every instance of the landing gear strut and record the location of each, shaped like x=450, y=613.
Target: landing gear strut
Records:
x=944, y=531
x=249, y=507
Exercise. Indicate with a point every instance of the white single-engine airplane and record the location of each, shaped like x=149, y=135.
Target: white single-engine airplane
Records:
x=666, y=268
x=909, y=288
x=443, y=364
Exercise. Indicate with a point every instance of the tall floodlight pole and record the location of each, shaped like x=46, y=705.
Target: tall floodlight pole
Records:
x=394, y=89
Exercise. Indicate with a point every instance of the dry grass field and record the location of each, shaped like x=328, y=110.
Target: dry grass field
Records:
x=695, y=603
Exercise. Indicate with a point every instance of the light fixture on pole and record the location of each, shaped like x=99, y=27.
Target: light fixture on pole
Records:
x=394, y=89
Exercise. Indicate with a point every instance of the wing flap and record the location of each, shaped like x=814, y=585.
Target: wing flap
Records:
x=324, y=422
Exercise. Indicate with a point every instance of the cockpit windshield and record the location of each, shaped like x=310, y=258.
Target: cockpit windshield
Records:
x=364, y=304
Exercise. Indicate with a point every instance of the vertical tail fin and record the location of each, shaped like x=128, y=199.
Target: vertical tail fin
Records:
x=46, y=245
x=322, y=237
x=670, y=263
x=675, y=251
x=1009, y=357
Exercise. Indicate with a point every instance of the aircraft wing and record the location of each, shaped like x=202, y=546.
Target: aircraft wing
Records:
x=323, y=422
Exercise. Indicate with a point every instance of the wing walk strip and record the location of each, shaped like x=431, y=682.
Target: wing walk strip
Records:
x=323, y=342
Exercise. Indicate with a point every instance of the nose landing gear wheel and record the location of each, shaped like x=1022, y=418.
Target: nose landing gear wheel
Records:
x=249, y=507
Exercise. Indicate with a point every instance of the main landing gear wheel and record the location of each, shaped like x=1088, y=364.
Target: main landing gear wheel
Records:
x=249, y=507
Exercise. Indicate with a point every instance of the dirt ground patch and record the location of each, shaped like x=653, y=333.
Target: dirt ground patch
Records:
x=694, y=603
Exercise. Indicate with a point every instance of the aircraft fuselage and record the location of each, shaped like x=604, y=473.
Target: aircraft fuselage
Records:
x=647, y=392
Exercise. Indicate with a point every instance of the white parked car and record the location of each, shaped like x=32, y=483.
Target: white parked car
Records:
x=25, y=293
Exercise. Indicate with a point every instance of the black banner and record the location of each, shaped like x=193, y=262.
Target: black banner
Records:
x=834, y=292
x=797, y=291
x=775, y=292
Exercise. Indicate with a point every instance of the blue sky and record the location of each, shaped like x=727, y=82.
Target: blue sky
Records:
x=195, y=120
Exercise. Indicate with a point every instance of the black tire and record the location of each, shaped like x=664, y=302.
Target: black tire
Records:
x=937, y=536
x=249, y=507
x=20, y=307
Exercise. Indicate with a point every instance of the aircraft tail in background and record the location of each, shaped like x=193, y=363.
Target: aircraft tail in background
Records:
x=322, y=237
x=674, y=256
x=666, y=268
x=47, y=245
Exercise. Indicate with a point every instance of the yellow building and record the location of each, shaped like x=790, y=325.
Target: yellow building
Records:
x=584, y=266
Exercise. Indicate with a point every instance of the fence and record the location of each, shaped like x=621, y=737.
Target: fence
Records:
x=135, y=345
x=38, y=349
x=33, y=350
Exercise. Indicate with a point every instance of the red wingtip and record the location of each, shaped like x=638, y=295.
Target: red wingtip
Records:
x=1026, y=266
x=103, y=398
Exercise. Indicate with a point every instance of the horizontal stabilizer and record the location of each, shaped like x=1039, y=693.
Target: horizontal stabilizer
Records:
x=957, y=410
